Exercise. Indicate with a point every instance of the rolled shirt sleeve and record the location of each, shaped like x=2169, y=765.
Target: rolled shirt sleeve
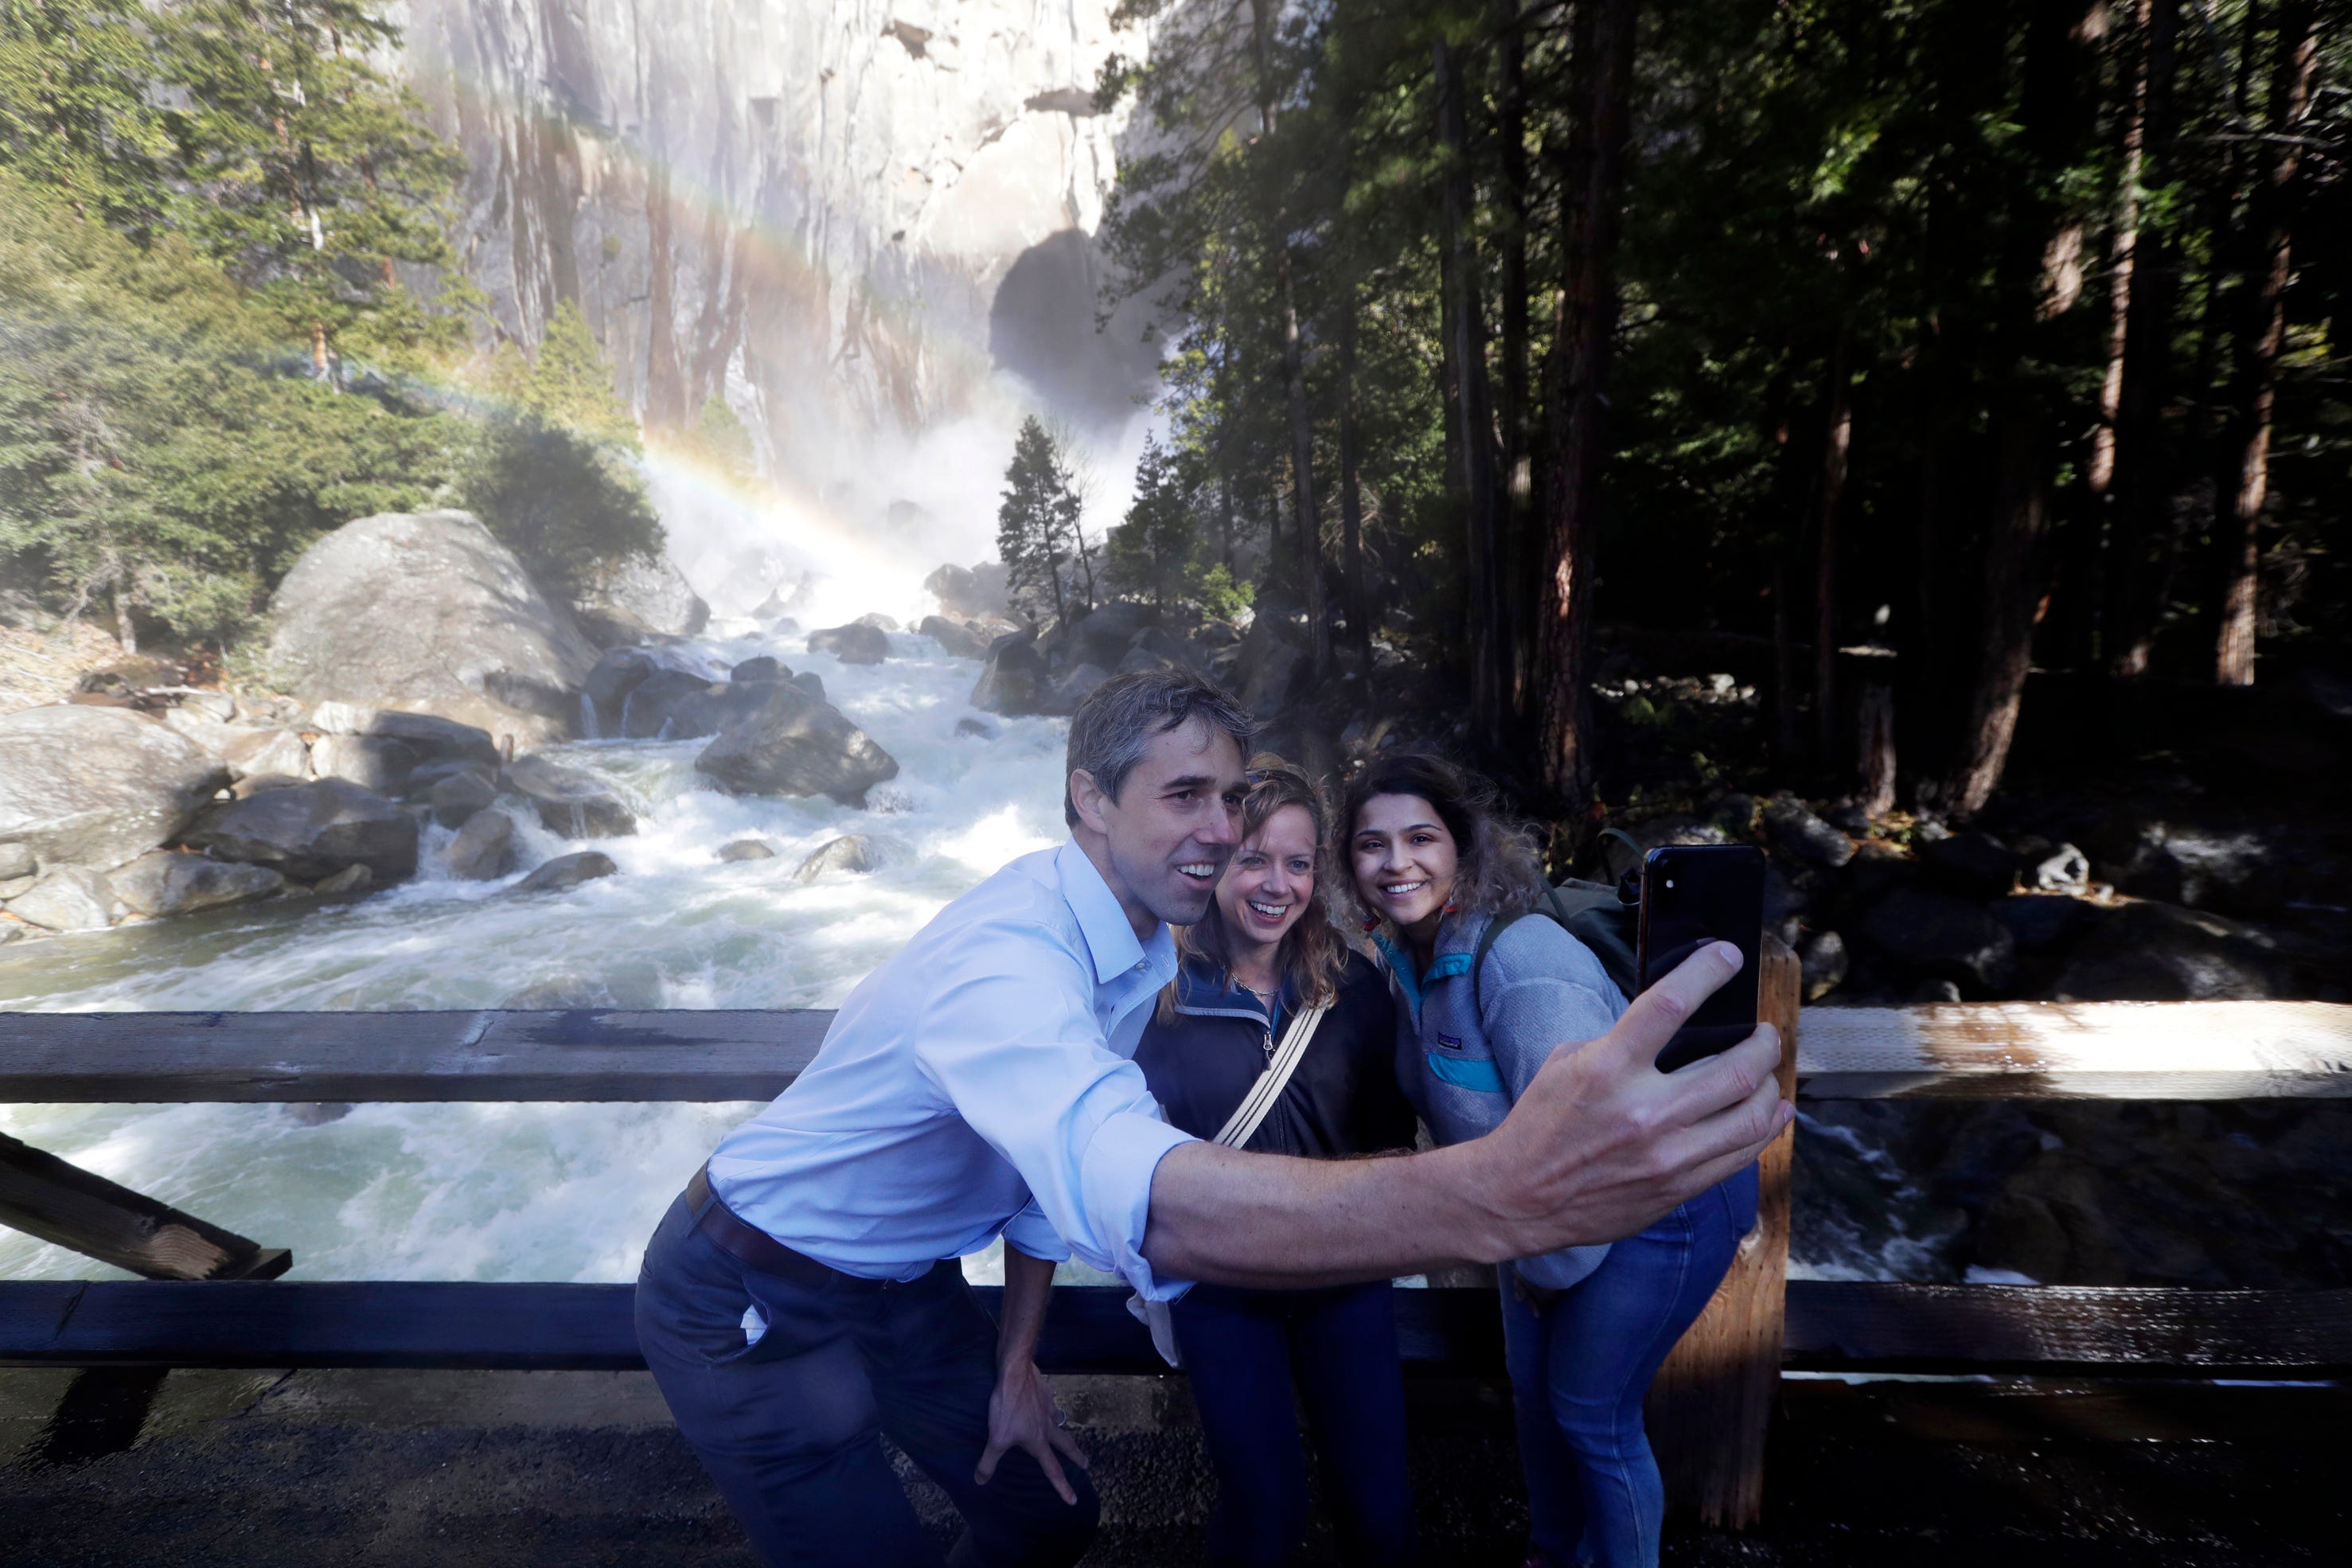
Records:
x=1007, y=1038
x=1031, y=1233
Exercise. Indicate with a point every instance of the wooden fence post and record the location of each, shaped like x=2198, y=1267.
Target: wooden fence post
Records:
x=1712, y=1401
x=45, y=1197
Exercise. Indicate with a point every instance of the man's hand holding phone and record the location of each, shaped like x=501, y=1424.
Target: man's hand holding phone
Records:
x=1602, y=1143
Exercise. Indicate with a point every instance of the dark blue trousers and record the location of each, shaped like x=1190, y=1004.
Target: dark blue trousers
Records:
x=1243, y=1349
x=790, y=1426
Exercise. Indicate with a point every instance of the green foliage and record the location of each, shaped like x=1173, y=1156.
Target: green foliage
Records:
x=1223, y=597
x=553, y=472
x=1151, y=553
x=571, y=507
x=150, y=457
x=723, y=443
x=208, y=353
x=309, y=174
x=1037, y=525
x=74, y=110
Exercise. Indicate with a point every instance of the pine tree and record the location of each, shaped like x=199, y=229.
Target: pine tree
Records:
x=1036, y=523
x=309, y=172
x=555, y=472
x=1152, y=551
x=74, y=115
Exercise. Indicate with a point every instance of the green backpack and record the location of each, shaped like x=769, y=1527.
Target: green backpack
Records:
x=1604, y=919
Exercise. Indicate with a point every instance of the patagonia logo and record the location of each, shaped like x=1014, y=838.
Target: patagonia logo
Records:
x=1447, y=1042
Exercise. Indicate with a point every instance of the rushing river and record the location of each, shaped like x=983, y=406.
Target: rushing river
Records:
x=558, y=1191
x=568, y=1192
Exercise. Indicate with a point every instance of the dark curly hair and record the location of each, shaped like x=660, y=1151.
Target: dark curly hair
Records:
x=1498, y=871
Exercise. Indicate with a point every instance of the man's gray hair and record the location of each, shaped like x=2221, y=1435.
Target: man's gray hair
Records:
x=1119, y=717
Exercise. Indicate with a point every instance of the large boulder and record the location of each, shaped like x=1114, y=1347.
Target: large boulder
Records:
x=1014, y=682
x=567, y=871
x=484, y=850
x=310, y=831
x=72, y=898
x=96, y=787
x=570, y=801
x=2149, y=952
x=647, y=596
x=1942, y=937
x=425, y=612
x=975, y=591
x=608, y=686
x=856, y=643
x=383, y=766
x=266, y=759
x=163, y=883
x=674, y=705
x=794, y=744
x=953, y=637
x=856, y=853
x=1795, y=831
x=1075, y=686
x=426, y=733
x=1104, y=635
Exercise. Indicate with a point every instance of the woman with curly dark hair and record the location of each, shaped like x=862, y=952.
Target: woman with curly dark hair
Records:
x=1275, y=1036
x=1483, y=997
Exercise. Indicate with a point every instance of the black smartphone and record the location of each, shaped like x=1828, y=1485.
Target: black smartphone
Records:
x=1693, y=894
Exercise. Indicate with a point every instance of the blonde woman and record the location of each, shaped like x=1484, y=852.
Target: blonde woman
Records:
x=1222, y=1055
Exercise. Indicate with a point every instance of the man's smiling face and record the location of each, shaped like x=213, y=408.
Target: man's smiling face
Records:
x=1173, y=826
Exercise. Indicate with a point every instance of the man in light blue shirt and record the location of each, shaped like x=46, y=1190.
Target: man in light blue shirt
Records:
x=978, y=1084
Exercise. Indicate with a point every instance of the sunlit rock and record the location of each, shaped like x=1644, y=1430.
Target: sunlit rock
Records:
x=426, y=612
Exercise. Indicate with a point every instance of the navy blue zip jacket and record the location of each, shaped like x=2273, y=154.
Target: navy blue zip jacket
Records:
x=1343, y=1098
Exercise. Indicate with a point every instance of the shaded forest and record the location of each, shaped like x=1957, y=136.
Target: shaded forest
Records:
x=1899, y=351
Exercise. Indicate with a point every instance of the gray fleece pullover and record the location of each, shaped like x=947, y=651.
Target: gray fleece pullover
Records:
x=1463, y=1064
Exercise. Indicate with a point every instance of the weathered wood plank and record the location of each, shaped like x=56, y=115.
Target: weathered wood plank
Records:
x=1832, y=1325
x=1711, y=1403
x=2079, y=1050
x=43, y=1195
x=2103, y=1051
x=582, y=1055
x=1987, y=1328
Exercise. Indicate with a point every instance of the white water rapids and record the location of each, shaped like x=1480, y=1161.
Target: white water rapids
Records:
x=550, y=1191
x=570, y=1192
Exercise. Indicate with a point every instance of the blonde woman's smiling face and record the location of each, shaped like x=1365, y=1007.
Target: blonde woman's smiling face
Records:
x=1405, y=857
x=1271, y=877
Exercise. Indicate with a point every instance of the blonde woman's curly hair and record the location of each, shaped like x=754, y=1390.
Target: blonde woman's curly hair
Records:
x=1313, y=954
x=1496, y=853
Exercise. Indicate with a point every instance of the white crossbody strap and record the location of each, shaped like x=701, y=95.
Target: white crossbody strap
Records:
x=1236, y=1131
x=1259, y=1101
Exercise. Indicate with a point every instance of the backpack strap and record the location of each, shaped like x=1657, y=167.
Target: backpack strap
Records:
x=1495, y=928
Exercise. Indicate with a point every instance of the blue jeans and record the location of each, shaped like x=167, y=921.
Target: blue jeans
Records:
x=1242, y=1348
x=1581, y=1365
x=790, y=1425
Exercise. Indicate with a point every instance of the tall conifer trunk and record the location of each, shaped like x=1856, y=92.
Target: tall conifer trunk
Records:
x=1351, y=497
x=1293, y=372
x=1517, y=552
x=1602, y=76
x=2141, y=505
x=2260, y=338
x=1475, y=437
x=1837, y=443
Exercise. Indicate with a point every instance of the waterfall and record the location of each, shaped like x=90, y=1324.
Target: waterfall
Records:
x=588, y=718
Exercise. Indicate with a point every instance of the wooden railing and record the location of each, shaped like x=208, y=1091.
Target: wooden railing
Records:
x=212, y=1302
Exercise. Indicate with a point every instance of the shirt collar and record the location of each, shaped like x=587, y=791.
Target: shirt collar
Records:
x=1110, y=940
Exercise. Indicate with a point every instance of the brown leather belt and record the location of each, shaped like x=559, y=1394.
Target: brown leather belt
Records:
x=763, y=1252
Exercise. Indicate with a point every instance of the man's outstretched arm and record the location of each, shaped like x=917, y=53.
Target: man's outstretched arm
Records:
x=1600, y=1145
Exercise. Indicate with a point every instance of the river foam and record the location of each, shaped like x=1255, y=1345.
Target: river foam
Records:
x=558, y=1191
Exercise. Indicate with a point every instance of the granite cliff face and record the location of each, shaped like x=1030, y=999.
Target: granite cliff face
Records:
x=841, y=215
